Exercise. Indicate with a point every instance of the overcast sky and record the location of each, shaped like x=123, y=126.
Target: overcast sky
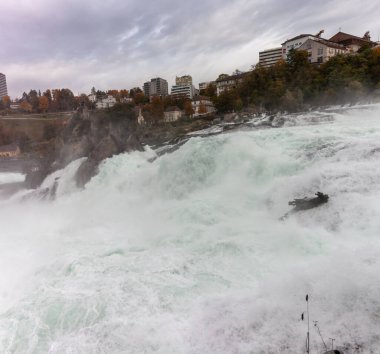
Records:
x=115, y=44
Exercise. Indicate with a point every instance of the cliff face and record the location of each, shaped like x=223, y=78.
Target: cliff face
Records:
x=97, y=137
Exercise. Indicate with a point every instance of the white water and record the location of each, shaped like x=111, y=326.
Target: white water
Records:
x=11, y=177
x=187, y=254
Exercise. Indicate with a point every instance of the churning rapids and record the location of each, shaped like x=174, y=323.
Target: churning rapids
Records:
x=186, y=254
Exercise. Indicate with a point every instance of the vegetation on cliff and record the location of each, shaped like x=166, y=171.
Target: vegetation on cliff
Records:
x=296, y=84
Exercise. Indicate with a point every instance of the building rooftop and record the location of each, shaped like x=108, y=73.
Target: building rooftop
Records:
x=345, y=37
x=8, y=148
x=297, y=37
x=172, y=109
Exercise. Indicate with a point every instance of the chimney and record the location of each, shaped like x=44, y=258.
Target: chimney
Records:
x=367, y=37
x=318, y=35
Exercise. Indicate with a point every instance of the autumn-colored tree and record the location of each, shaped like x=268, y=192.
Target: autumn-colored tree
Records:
x=26, y=107
x=6, y=101
x=188, y=108
x=115, y=94
x=202, y=109
x=124, y=93
x=157, y=108
x=140, y=98
x=43, y=104
x=47, y=93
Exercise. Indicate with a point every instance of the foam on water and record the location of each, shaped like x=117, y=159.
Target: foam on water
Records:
x=8, y=177
x=187, y=254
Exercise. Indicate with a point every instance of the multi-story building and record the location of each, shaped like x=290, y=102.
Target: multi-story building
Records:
x=270, y=57
x=105, y=102
x=226, y=82
x=3, y=86
x=184, y=87
x=156, y=87
x=202, y=106
x=183, y=80
x=204, y=85
x=321, y=50
x=353, y=43
x=295, y=43
x=187, y=91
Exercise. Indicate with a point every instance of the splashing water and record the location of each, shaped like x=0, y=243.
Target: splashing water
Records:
x=187, y=254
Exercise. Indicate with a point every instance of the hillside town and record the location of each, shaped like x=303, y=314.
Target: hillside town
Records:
x=304, y=71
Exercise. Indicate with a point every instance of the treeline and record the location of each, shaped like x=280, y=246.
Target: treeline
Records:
x=56, y=100
x=296, y=84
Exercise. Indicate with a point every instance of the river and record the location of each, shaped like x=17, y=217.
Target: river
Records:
x=186, y=254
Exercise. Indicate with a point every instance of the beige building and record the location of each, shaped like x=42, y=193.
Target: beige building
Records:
x=202, y=106
x=172, y=114
x=321, y=50
x=11, y=150
x=183, y=80
x=226, y=83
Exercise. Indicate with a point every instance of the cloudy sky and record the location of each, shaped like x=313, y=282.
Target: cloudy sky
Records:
x=114, y=44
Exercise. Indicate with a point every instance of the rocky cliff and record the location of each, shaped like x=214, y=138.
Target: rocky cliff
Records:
x=96, y=136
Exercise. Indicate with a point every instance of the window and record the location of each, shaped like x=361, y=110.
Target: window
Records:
x=320, y=51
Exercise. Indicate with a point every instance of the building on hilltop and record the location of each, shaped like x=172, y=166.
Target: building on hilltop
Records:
x=270, y=57
x=321, y=50
x=105, y=102
x=3, y=86
x=228, y=82
x=11, y=150
x=353, y=43
x=156, y=87
x=183, y=87
x=295, y=43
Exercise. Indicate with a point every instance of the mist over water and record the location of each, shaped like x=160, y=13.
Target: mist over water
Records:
x=187, y=254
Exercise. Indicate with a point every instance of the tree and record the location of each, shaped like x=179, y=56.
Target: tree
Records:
x=157, y=108
x=26, y=106
x=47, y=94
x=202, y=109
x=188, y=108
x=43, y=104
x=6, y=101
x=33, y=100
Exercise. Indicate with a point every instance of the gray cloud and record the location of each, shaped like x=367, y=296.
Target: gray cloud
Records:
x=122, y=43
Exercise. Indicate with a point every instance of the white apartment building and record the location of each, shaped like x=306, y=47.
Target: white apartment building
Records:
x=183, y=87
x=183, y=91
x=321, y=50
x=295, y=43
x=105, y=102
x=270, y=57
x=3, y=86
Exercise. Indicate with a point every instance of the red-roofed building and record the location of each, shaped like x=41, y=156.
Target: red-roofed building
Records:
x=353, y=43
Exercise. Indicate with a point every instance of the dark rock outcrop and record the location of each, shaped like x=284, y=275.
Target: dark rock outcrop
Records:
x=97, y=137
